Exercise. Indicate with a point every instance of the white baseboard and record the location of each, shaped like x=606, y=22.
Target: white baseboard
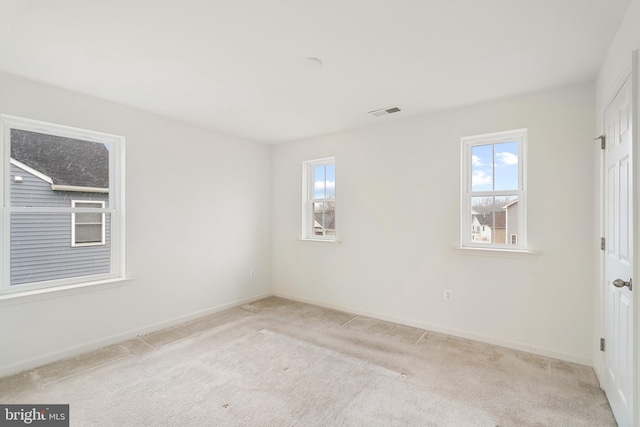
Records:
x=77, y=350
x=598, y=368
x=449, y=331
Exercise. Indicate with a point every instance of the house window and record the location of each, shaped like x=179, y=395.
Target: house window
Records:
x=62, y=213
x=494, y=190
x=319, y=209
x=87, y=228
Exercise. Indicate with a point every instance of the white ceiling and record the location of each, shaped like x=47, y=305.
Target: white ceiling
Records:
x=238, y=66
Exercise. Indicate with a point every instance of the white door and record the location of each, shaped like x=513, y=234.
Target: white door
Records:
x=618, y=264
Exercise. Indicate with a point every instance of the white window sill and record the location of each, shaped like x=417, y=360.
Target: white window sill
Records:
x=497, y=253
x=24, y=297
x=334, y=242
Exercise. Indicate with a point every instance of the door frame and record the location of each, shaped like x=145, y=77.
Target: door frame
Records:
x=632, y=71
x=635, y=99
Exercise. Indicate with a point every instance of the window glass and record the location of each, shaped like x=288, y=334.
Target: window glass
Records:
x=62, y=206
x=506, y=166
x=319, y=183
x=330, y=183
x=319, y=212
x=53, y=169
x=482, y=168
x=88, y=227
x=493, y=190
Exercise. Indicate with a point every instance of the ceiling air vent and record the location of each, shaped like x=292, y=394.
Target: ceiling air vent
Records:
x=385, y=111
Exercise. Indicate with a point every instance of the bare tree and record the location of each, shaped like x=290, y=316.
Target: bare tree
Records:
x=486, y=205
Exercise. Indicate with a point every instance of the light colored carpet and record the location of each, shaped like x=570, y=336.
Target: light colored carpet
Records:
x=277, y=362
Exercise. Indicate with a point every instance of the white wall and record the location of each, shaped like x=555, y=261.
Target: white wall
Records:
x=398, y=193
x=616, y=65
x=618, y=58
x=197, y=208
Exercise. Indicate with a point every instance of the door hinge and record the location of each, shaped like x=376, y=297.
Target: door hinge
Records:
x=603, y=141
x=602, y=344
x=602, y=243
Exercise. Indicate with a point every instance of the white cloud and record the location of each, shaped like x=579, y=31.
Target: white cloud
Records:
x=507, y=159
x=480, y=178
x=331, y=186
x=476, y=161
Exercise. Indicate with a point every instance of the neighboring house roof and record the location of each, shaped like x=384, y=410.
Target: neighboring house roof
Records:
x=329, y=218
x=510, y=204
x=67, y=161
x=487, y=219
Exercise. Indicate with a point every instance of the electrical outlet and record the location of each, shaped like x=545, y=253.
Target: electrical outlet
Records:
x=448, y=295
x=252, y=274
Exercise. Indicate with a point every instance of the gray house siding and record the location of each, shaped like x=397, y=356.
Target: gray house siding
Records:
x=41, y=242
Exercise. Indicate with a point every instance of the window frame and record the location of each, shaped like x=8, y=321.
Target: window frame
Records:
x=308, y=191
x=467, y=143
x=74, y=223
x=116, y=209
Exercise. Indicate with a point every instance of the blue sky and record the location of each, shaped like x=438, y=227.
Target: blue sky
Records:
x=499, y=160
x=325, y=182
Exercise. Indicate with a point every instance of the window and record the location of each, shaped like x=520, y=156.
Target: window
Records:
x=87, y=228
x=62, y=212
x=319, y=209
x=494, y=190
